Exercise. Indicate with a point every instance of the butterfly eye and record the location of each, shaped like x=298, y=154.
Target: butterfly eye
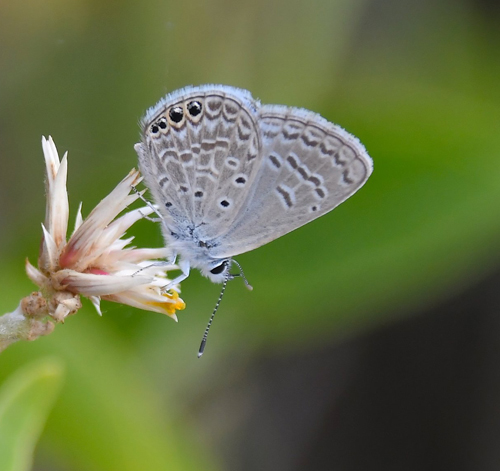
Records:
x=194, y=108
x=219, y=268
x=176, y=114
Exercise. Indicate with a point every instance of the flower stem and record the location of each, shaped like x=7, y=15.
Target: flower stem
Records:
x=27, y=322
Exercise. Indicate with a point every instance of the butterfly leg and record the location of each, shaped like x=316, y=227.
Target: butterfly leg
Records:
x=151, y=219
x=172, y=258
x=185, y=268
x=149, y=205
x=170, y=261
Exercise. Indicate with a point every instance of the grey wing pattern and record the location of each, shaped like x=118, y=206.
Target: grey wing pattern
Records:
x=198, y=162
x=308, y=166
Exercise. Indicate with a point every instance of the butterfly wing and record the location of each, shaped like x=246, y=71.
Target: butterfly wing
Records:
x=307, y=167
x=199, y=150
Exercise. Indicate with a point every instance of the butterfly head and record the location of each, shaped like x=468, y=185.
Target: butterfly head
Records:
x=217, y=270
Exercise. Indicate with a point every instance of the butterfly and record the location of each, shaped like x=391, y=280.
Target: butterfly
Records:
x=229, y=174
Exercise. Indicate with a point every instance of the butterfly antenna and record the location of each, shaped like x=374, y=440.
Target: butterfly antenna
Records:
x=247, y=284
x=205, y=335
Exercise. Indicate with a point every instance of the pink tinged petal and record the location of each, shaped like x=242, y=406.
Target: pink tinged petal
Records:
x=118, y=258
x=97, y=285
x=96, y=255
x=85, y=245
x=97, y=271
x=34, y=275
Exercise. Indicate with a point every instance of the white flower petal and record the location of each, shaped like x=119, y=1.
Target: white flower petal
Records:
x=51, y=160
x=58, y=213
x=96, y=301
x=139, y=255
x=119, y=245
x=35, y=275
x=141, y=298
x=132, y=259
x=61, y=312
x=48, y=252
x=118, y=227
x=78, y=218
x=89, y=284
x=154, y=268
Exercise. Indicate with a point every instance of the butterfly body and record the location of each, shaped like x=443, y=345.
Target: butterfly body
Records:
x=195, y=249
x=229, y=174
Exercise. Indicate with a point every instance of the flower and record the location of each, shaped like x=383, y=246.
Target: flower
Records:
x=97, y=261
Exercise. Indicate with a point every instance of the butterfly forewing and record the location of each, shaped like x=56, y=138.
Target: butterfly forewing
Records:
x=199, y=168
x=308, y=166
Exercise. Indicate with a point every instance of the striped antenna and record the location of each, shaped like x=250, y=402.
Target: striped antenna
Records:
x=205, y=335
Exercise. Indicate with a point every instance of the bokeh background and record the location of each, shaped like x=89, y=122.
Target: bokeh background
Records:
x=371, y=339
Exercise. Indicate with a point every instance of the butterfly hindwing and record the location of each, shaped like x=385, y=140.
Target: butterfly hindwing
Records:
x=308, y=166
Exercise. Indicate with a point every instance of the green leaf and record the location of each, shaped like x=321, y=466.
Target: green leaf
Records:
x=25, y=401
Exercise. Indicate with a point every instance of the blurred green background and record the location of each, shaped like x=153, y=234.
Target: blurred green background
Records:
x=369, y=339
